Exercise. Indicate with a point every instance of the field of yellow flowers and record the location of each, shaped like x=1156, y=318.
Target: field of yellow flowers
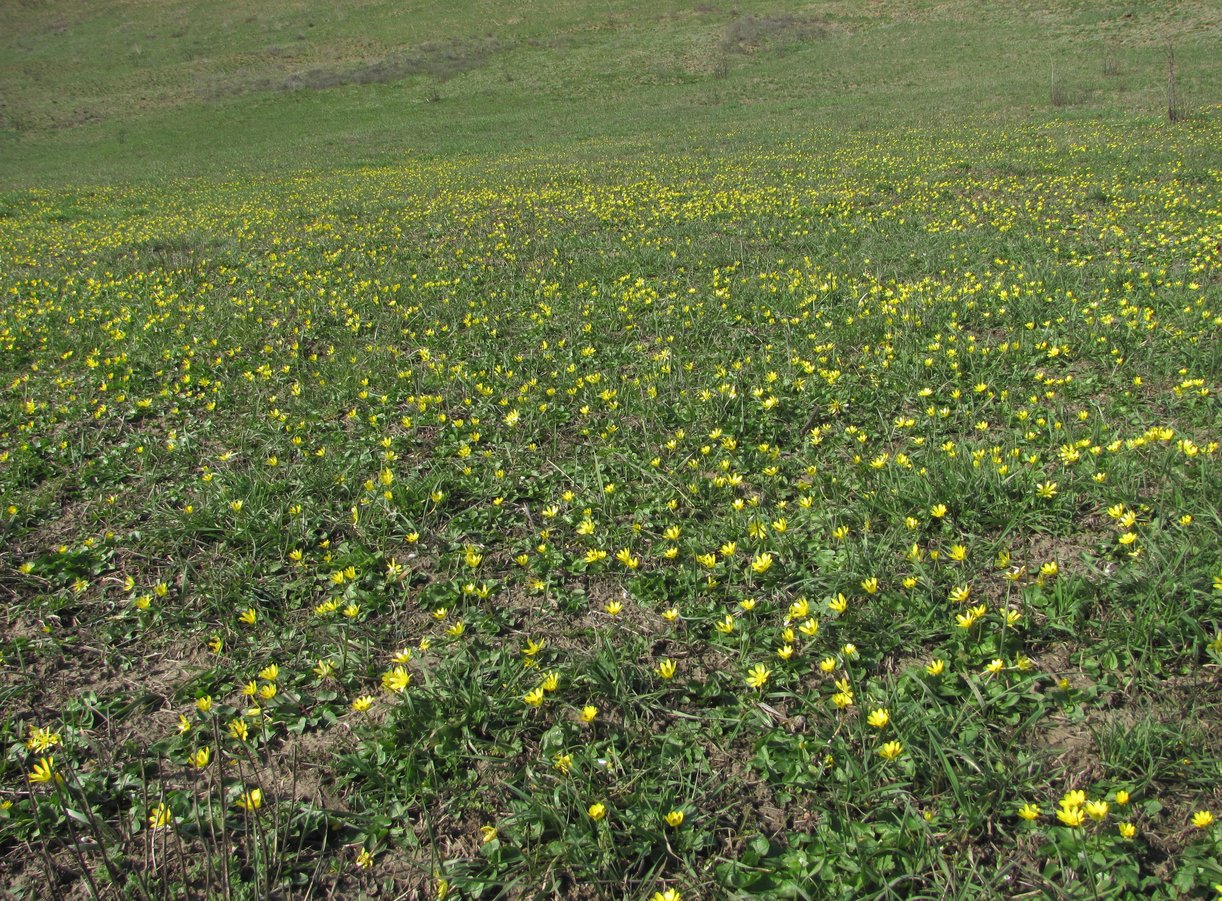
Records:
x=840, y=519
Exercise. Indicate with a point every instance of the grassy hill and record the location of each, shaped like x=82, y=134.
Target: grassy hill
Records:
x=610, y=450
x=122, y=90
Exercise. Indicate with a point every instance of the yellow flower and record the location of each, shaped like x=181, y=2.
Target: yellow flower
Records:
x=534, y=697
x=666, y=669
x=270, y=672
x=1073, y=799
x=456, y=630
x=199, y=759
x=937, y=511
x=159, y=817
x=785, y=652
x=1029, y=812
x=838, y=604
x=870, y=585
x=995, y=666
x=1126, y=830
x=268, y=691
x=810, y=628
x=935, y=667
x=1122, y=797
x=563, y=762
x=251, y=800
x=960, y=594
x=487, y=834
x=965, y=620
x=597, y=811
x=762, y=563
x=364, y=859
x=674, y=819
x=1202, y=819
x=363, y=703
x=533, y=647
x=613, y=608
x=725, y=626
x=758, y=675
x=249, y=616
x=879, y=718
x=670, y=614
x=40, y=739
x=44, y=770
x=891, y=750
x=184, y=724
x=1096, y=810
x=1073, y=817
x=396, y=679
x=588, y=713
x=669, y=895
x=551, y=681
x=827, y=664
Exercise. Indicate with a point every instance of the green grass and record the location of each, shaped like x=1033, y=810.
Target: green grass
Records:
x=115, y=91
x=443, y=458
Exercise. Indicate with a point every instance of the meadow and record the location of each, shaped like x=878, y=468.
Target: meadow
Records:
x=688, y=509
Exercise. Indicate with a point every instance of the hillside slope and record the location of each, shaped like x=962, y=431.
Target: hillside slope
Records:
x=128, y=89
